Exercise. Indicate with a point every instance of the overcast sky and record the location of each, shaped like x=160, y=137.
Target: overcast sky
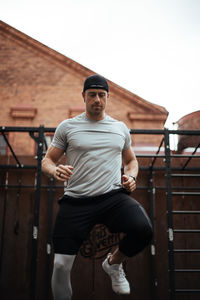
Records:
x=150, y=47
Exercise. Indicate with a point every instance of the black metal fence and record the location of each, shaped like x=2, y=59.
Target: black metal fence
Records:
x=187, y=170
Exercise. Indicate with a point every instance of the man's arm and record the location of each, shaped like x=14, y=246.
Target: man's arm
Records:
x=50, y=168
x=130, y=164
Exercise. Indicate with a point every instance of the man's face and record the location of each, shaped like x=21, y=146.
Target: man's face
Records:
x=95, y=101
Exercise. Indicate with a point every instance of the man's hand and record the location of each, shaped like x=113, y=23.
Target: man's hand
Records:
x=63, y=172
x=128, y=183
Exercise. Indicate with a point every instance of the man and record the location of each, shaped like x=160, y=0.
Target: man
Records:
x=96, y=146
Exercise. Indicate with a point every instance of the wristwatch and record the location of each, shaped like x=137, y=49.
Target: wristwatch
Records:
x=133, y=178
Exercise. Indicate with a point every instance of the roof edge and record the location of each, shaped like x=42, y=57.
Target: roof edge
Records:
x=78, y=68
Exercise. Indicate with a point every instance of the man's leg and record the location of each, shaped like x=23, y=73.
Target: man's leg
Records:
x=131, y=219
x=61, y=283
x=138, y=232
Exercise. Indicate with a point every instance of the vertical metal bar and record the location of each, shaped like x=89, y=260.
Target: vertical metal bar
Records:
x=169, y=215
x=33, y=289
x=49, y=235
x=151, y=190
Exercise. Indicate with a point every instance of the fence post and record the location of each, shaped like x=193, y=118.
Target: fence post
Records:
x=151, y=191
x=169, y=214
x=40, y=142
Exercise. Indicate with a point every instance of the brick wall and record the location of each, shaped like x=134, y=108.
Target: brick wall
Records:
x=39, y=86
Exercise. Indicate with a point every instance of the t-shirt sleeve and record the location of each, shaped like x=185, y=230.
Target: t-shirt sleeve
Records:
x=60, y=138
x=127, y=143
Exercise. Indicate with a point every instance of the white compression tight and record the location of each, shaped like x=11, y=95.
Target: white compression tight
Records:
x=61, y=283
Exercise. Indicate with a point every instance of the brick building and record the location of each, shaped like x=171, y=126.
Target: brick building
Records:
x=39, y=86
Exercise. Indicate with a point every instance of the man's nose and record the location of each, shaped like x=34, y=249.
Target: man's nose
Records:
x=97, y=98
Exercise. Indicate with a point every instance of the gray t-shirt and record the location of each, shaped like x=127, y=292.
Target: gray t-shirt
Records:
x=94, y=149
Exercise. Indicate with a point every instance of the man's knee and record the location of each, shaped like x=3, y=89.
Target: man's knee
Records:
x=63, y=263
x=136, y=240
x=61, y=285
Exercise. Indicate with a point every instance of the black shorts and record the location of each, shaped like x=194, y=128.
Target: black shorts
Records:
x=77, y=216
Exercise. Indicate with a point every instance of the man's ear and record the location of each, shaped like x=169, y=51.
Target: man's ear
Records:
x=83, y=95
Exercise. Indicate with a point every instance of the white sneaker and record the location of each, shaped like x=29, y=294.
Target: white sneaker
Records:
x=120, y=285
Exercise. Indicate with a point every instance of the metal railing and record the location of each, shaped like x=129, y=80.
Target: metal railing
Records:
x=38, y=134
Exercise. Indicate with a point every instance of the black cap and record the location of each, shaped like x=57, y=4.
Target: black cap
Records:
x=95, y=82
